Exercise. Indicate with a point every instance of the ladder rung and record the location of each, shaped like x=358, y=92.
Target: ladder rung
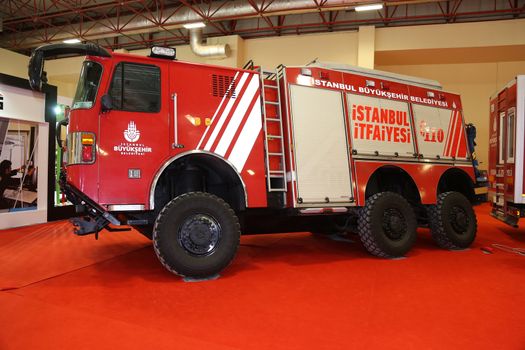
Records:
x=276, y=179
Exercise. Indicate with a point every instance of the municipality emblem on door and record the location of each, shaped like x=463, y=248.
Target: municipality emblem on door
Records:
x=132, y=134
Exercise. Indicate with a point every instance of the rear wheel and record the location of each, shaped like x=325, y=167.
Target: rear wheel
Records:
x=452, y=221
x=196, y=235
x=387, y=225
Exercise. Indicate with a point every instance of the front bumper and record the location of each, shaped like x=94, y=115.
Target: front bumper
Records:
x=96, y=219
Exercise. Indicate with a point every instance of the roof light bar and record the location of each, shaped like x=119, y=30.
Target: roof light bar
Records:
x=163, y=52
x=71, y=41
x=369, y=7
x=194, y=25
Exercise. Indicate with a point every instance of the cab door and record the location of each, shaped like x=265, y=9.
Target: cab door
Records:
x=133, y=135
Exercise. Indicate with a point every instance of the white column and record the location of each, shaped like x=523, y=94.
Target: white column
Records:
x=366, y=47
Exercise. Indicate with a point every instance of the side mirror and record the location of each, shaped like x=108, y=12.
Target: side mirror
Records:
x=106, y=103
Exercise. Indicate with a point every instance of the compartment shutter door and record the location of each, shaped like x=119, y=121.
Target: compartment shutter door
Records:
x=320, y=144
x=380, y=125
x=440, y=132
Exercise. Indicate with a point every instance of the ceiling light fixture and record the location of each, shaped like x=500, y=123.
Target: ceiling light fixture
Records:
x=369, y=7
x=194, y=25
x=71, y=41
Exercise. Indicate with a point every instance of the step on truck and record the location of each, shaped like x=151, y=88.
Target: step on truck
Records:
x=192, y=155
x=506, y=152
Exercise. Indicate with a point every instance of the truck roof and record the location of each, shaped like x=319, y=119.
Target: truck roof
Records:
x=373, y=73
x=509, y=84
x=156, y=59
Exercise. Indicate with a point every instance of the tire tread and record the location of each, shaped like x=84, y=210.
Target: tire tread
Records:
x=163, y=216
x=364, y=225
x=437, y=229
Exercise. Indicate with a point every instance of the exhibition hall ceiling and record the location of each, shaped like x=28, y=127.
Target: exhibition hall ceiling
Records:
x=137, y=24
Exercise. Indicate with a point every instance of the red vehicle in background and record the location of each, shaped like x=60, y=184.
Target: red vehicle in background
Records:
x=506, y=152
x=194, y=154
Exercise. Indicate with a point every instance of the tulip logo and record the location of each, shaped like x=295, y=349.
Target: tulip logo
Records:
x=132, y=134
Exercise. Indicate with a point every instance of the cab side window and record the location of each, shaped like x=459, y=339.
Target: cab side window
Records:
x=135, y=88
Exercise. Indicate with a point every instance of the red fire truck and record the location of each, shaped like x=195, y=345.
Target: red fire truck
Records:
x=506, y=151
x=198, y=153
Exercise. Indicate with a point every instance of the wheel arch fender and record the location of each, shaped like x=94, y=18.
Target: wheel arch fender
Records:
x=212, y=160
x=394, y=179
x=458, y=180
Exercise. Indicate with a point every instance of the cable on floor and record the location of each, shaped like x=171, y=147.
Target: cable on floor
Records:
x=508, y=249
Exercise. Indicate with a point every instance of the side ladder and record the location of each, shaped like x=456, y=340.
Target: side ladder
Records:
x=273, y=132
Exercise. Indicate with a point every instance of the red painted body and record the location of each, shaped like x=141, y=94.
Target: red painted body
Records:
x=106, y=181
x=235, y=132
x=425, y=176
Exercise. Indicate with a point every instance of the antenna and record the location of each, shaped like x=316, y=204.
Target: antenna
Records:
x=312, y=62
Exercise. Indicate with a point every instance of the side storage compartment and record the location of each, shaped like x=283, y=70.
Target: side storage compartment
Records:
x=320, y=145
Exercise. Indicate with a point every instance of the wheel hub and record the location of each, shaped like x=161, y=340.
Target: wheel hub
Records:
x=394, y=224
x=199, y=234
x=459, y=219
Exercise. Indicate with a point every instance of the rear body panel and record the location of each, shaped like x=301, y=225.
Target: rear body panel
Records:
x=417, y=128
x=506, y=150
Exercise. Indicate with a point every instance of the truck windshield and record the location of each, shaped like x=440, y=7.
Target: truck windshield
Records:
x=87, y=85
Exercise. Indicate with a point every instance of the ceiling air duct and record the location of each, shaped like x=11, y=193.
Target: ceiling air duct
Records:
x=203, y=50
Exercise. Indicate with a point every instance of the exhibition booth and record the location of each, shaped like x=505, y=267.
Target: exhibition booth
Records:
x=27, y=146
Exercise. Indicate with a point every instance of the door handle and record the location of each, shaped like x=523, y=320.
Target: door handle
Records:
x=176, y=143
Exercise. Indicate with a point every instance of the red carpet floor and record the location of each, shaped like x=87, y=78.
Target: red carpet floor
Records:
x=294, y=291
x=34, y=253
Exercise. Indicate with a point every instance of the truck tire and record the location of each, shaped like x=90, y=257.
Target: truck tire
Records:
x=452, y=221
x=387, y=225
x=196, y=235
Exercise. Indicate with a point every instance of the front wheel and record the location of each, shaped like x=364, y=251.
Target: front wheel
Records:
x=387, y=225
x=196, y=235
x=452, y=221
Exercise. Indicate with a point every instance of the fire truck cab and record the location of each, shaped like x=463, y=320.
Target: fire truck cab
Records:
x=190, y=154
x=506, y=152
